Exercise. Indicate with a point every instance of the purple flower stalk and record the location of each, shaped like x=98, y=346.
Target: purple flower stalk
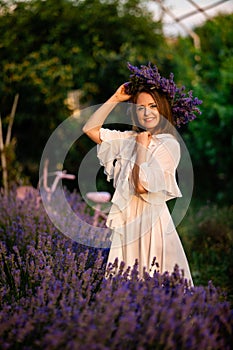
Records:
x=183, y=104
x=54, y=294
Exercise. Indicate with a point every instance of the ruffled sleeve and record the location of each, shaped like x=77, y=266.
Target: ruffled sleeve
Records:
x=157, y=175
x=110, y=148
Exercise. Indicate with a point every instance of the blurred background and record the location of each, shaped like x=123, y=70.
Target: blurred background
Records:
x=60, y=56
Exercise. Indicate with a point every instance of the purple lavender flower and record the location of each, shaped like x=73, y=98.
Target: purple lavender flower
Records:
x=54, y=295
x=183, y=105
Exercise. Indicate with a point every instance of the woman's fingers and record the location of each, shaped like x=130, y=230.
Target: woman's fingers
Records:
x=144, y=138
x=121, y=93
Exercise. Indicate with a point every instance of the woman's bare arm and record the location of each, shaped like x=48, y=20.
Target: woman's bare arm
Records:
x=95, y=122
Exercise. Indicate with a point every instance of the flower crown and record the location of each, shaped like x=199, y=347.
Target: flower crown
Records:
x=183, y=104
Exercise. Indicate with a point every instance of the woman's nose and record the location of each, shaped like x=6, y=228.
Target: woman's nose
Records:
x=146, y=111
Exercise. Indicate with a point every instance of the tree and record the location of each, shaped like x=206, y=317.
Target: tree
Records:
x=209, y=138
x=51, y=47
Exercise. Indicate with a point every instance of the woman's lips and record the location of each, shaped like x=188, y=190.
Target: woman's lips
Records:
x=147, y=120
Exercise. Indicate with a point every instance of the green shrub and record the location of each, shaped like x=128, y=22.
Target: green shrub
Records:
x=207, y=234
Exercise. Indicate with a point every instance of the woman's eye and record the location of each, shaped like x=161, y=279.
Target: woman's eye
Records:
x=140, y=108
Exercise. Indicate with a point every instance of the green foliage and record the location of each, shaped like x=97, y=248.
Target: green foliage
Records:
x=14, y=167
x=72, y=39
x=51, y=47
x=209, y=138
x=207, y=234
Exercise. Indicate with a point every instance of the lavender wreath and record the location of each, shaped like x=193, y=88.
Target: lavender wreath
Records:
x=183, y=104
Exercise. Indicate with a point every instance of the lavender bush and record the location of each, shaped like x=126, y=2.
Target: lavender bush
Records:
x=54, y=295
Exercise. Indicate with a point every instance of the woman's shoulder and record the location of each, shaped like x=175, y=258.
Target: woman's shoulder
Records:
x=165, y=138
x=166, y=142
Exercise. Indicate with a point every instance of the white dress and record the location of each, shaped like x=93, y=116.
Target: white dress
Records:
x=141, y=224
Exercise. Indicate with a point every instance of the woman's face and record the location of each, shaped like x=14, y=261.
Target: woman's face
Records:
x=147, y=111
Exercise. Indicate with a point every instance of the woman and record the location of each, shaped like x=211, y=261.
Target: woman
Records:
x=142, y=164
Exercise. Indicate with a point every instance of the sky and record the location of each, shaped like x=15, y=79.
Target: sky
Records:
x=182, y=7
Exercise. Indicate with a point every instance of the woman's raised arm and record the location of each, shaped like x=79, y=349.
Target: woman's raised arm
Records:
x=95, y=122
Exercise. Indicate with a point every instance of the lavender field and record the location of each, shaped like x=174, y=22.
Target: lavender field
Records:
x=54, y=295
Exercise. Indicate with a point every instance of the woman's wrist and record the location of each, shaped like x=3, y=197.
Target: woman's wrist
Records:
x=114, y=99
x=120, y=95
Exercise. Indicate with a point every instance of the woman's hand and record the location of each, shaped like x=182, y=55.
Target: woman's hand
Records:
x=144, y=138
x=120, y=95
